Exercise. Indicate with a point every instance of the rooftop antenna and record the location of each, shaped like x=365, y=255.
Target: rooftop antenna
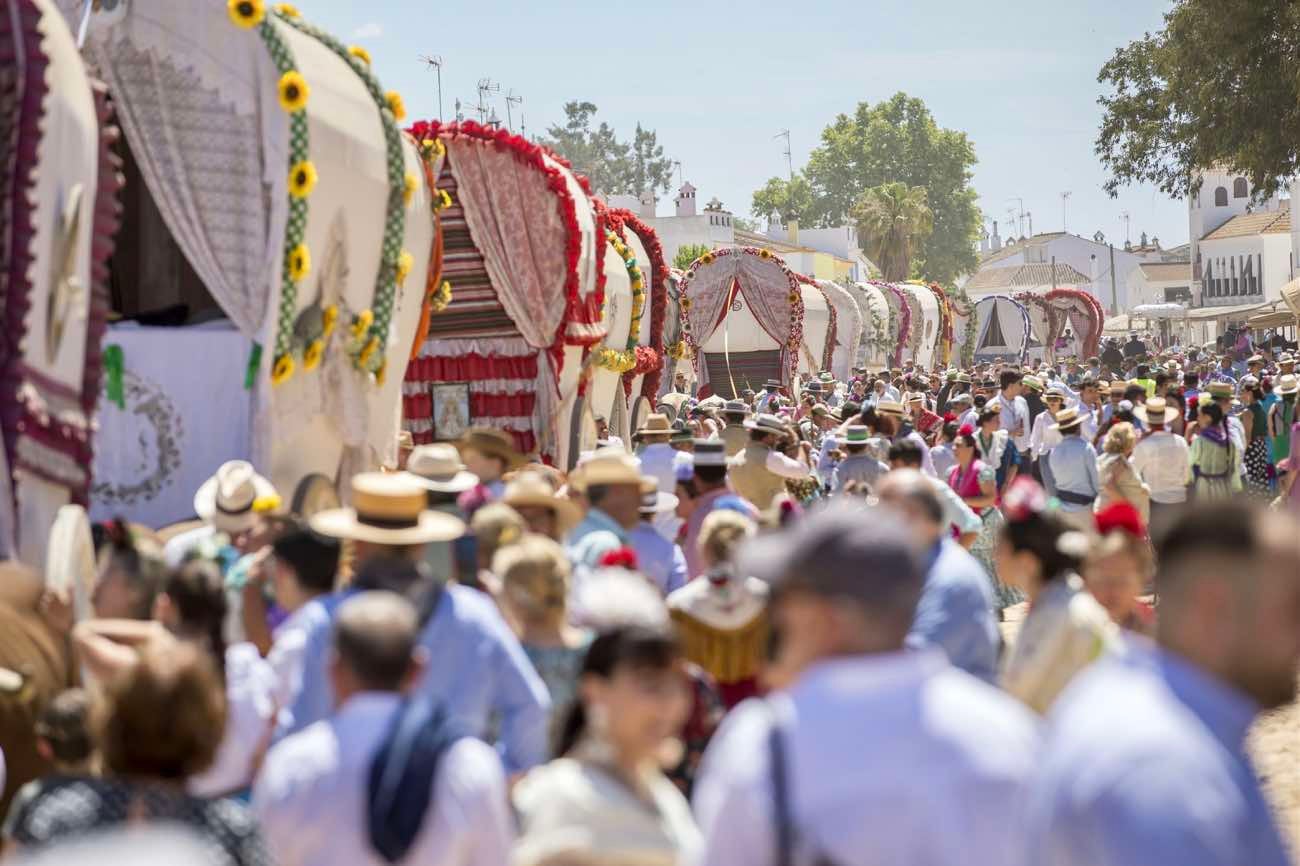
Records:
x=789, y=160
x=434, y=61
x=1124, y=215
x=680, y=174
x=1018, y=215
x=485, y=86
x=1065, y=203
x=513, y=98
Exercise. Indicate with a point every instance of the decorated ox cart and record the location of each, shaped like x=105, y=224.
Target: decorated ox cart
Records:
x=525, y=253
x=274, y=258
x=1068, y=322
x=1003, y=328
x=925, y=333
x=819, y=328
x=848, y=328
x=875, y=349
x=742, y=313
x=58, y=215
x=643, y=383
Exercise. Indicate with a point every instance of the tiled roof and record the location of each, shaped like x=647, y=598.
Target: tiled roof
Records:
x=1012, y=249
x=752, y=239
x=1166, y=271
x=1266, y=223
x=1022, y=276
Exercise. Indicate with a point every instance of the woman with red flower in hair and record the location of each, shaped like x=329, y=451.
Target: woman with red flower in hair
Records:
x=1119, y=566
x=976, y=483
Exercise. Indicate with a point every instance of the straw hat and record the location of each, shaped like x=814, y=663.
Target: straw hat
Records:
x=964, y=377
x=658, y=502
x=493, y=443
x=767, y=423
x=655, y=425
x=736, y=407
x=608, y=467
x=1220, y=390
x=964, y=397
x=437, y=467
x=387, y=509
x=855, y=434
x=889, y=407
x=1032, y=382
x=232, y=498
x=530, y=488
x=1055, y=391
x=1067, y=419
x=916, y=397
x=1287, y=383
x=1285, y=358
x=1156, y=411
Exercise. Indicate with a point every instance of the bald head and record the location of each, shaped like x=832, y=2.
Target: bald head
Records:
x=1230, y=596
x=374, y=642
x=912, y=496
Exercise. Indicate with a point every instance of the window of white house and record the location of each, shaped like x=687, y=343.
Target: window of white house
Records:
x=1240, y=189
x=1220, y=197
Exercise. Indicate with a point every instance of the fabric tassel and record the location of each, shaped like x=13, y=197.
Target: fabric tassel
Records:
x=254, y=364
x=114, y=372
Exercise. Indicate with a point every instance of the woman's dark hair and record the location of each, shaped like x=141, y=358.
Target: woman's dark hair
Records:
x=967, y=439
x=1213, y=410
x=141, y=564
x=990, y=414
x=1040, y=534
x=65, y=725
x=198, y=593
x=633, y=647
x=979, y=401
x=949, y=433
x=1256, y=390
x=869, y=418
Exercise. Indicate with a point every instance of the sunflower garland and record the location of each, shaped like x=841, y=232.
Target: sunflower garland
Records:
x=282, y=369
x=288, y=10
x=411, y=184
x=293, y=91
x=367, y=345
x=246, y=13
x=359, y=53
x=299, y=263
x=302, y=179
x=329, y=318
x=311, y=356
x=405, y=262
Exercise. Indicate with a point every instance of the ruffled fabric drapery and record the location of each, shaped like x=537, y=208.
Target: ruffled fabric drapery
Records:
x=211, y=143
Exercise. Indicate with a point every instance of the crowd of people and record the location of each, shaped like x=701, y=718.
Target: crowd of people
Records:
x=765, y=630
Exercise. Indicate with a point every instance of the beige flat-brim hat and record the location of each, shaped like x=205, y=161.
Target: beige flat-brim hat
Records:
x=233, y=497
x=1156, y=411
x=387, y=509
x=535, y=491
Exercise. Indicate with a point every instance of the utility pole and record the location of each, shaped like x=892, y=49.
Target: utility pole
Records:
x=435, y=62
x=1053, y=273
x=1065, y=203
x=513, y=98
x=1124, y=215
x=1114, y=300
x=789, y=160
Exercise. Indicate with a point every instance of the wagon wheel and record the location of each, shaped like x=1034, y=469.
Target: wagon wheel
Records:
x=618, y=420
x=582, y=430
x=641, y=409
x=314, y=493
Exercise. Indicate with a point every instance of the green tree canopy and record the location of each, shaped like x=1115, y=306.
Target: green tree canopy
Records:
x=899, y=141
x=614, y=167
x=686, y=255
x=893, y=219
x=1219, y=85
x=791, y=199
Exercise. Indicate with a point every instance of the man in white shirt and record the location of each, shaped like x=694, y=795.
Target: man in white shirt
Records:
x=313, y=798
x=1161, y=460
x=871, y=754
x=1014, y=409
x=1045, y=436
x=657, y=455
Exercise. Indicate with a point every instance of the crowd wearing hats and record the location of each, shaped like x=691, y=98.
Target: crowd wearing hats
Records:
x=756, y=629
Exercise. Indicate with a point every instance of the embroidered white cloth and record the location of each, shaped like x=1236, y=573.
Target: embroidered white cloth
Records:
x=186, y=413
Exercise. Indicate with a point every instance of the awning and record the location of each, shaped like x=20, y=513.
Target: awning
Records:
x=1203, y=313
x=1116, y=324
x=1273, y=319
x=1291, y=295
x=1159, y=311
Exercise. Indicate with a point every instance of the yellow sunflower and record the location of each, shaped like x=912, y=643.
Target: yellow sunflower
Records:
x=288, y=10
x=444, y=199
x=312, y=354
x=359, y=53
x=686, y=303
x=405, y=262
x=396, y=105
x=441, y=298
x=302, y=179
x=282, y=370
x=409, y=185
x=267, y=504
x=381, y=373
x=368, y=351
x=299, y=263
x=293, y=91
x=361, y=323
x=329, y=317
x=246, y=13
x=793, y=297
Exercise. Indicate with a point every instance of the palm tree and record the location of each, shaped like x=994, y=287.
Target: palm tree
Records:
x=893, y=219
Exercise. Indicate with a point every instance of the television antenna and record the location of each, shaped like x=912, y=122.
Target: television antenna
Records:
x=513, y=98
x=434, y=62
x=1065, y=203
x=485, y=87
x=789, y=160
x=1124, y=215
x=680, y=173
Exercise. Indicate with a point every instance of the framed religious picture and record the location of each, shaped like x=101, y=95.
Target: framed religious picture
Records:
x=451, y=418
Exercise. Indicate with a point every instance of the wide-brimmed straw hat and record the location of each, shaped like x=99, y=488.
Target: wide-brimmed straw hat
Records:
x=493, y=443
x=658, y=502
x=387, y=509
x=1156, y=411
x=437, y=467
x=1287, y=383
x=1067, y=419
x=1220, y=390
x=736, y=407
x=608, y=467
x=233, y=497
x=889, y=407
x=531, y=489
x=766, y=422
x=655, y=425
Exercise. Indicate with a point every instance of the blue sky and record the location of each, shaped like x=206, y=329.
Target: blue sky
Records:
x=718, y=80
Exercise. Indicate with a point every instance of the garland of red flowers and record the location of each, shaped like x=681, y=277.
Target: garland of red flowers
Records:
x=1030, y=299
x=904, y=319
x=648, y=365
x=1092, y=341
x=584, y=311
